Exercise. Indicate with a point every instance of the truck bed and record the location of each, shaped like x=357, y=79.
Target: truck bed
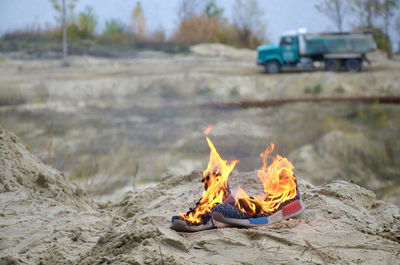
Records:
x=317, y=44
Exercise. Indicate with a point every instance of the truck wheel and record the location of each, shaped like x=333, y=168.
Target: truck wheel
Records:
x=353, y=65
x=272, y=67
x=332, y=65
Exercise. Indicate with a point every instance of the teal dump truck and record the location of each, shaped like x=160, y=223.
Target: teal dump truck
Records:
x=299, y=51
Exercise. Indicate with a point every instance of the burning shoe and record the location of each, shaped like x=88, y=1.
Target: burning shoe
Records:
x=231, y=215
x=281, y=200
x=216, y=191
x=182, y=225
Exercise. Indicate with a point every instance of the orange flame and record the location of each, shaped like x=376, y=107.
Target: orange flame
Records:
x=208, y=130
x=279, y=186
x=215, y=179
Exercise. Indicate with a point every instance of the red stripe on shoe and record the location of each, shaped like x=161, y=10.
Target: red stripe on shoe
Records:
x=229, y=199
x=291, y=208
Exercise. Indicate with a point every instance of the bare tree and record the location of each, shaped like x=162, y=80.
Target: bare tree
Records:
x=397, y=27
x=336, y=10
x=139, y=24
x=247, y=18
x=376, y=16
x=367, y=11
x=212, y=10
x=64, y=25
x=387, y=12
x=190, y=7
x=61, y=7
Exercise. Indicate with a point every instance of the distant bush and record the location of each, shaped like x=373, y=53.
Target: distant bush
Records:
x=28, y=39
x=246, y=30
x=197, y=29
x=248, y=23
x=30, y=32
x=201, y=29
x=157, y=36
x=382, y=40
x=82, y=26
x=87, y=22
x=317, y=89
x=197, y=25
x=114, y=30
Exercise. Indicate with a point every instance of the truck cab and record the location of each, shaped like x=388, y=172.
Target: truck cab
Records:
x=274, y=57
x=290, y=49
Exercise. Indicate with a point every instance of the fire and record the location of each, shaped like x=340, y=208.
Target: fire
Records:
x=278, y=181
x=279, y=186
x=215, y=179
x=208, y=130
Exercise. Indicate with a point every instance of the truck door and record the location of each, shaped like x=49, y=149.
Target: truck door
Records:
x=290, y=49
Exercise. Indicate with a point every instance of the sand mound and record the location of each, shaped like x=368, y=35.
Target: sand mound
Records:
x=347, y=156
x=43, y=217
x=344, y=221
x=221, y=50
x=20, y=170
x=52, y=224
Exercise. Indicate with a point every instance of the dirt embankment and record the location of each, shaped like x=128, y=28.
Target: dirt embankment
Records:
x=46, y=219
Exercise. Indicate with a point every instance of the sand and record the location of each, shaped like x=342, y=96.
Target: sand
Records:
x=45, y=219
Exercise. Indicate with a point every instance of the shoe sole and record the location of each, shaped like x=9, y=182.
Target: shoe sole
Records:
x=290, y=210
x=182, y=226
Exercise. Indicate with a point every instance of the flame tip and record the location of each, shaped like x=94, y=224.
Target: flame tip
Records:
x=208, y=130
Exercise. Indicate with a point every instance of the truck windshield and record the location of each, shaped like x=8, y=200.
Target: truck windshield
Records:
x=286, y=41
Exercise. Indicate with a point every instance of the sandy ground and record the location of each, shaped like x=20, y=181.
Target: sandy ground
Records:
x=46, y=219
x=112, y=124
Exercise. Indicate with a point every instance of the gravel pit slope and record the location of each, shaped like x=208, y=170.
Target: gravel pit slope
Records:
x=47, y=219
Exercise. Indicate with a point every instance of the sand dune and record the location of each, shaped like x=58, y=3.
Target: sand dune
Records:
x=46, y=219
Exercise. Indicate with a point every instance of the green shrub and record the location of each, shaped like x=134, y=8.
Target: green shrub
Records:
x=87, y=23
x=382, y=40
x=315, y=90
x=114, y=30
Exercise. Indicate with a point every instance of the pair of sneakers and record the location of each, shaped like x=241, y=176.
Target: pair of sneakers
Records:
x=228, y=214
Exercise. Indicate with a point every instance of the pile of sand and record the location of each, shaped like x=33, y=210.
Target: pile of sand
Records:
x=45, y=218
x=358, y=155
x=221, y=50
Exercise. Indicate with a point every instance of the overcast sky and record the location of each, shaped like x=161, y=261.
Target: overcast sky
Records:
x=280, y=15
